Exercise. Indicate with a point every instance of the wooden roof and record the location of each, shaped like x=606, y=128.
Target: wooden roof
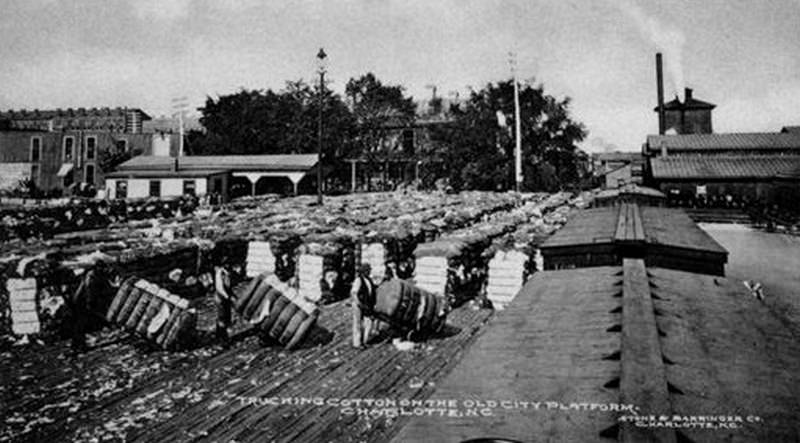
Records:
x=630, y=189
x=690, y=345
x=587, y=227
x=725, y=167
x=547, y=345
x=673, y=227
x=653, y=225
x=726, y=142
x=730, y=354
x=257, y=163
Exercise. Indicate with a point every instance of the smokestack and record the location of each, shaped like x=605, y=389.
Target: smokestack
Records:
x=660, y=89
x=687, y=94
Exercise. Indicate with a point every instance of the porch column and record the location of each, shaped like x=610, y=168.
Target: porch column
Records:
x=295, y=178
x=253, y=178
x=353, y=176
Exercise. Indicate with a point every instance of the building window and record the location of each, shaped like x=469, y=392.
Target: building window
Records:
x=69, y=148
x=189, y=187
x=36, y=149
x=89, y=176
x=122, y=145
x=91, y=147
x=121, y=189
x=35, y=174
x=408, y=141
x=155, y=188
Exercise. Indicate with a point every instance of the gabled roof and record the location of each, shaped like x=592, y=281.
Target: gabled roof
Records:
x=617, y=156
x=184, y=173
x=629, y=189
x=287, y=162
x=48, y=114
x=791, y=129
x=729, y=141
x=688, y=104
x=725, y=167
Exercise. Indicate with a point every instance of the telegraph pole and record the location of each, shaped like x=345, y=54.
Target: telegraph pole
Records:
x=517, y=127
x=180, y=105
x=321, y=69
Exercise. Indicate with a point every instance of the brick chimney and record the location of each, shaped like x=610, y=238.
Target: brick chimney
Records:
x=687, y=94
x=663, y=149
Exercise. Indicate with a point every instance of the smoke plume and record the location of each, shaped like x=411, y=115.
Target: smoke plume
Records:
x=668, y=40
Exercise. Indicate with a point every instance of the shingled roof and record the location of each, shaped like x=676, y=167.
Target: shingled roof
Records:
x=288, y=162
x=47, y=114
x=753, y=141
x=724, y=167
x=689, y=104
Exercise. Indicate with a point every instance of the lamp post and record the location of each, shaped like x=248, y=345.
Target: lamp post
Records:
x=321, y=69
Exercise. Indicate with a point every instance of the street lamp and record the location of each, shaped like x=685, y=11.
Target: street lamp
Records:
x=321, y=69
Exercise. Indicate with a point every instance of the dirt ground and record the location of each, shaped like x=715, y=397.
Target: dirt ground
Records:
x=769, y=258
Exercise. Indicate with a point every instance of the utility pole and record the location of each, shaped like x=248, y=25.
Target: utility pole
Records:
x=517, y=126
x=180, y=105
x=321, y=69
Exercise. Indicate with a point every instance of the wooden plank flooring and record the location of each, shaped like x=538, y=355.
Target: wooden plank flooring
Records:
x=122, y=391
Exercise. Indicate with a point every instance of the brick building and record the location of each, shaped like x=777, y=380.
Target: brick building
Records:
x=691, y=116
x=692, y=165
x=61, y=149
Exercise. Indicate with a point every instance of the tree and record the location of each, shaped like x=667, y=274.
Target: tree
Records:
x=268, y=122
x=478, y=146
x=379, y=111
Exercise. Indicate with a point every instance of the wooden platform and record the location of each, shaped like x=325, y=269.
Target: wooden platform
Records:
x=123, y=391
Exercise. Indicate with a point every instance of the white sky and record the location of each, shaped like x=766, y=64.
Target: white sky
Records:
x=743, y=55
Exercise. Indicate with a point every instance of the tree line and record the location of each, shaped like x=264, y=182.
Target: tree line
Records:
x=473, y=138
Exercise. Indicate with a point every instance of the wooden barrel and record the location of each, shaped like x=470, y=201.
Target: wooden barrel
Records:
x=122, y=295
x=397, y=302
x=402, y=304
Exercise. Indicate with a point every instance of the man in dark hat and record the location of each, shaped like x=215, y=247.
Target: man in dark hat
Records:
x=88, y=302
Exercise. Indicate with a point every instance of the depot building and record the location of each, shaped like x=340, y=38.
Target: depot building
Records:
x=226, y=176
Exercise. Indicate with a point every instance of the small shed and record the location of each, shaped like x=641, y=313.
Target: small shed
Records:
x=222, y=173
x=662, y=236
